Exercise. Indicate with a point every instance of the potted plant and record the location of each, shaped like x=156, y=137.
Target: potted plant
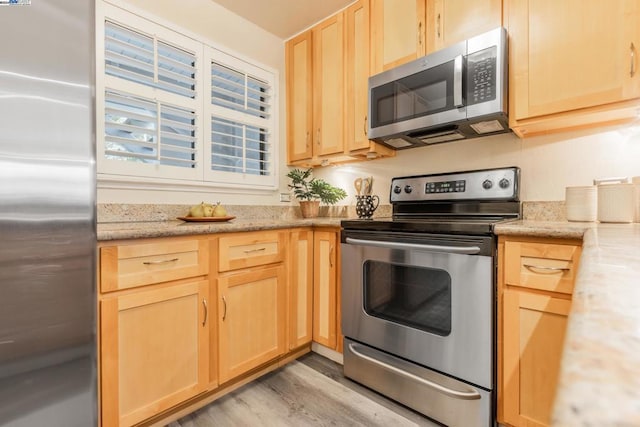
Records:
x=311, y=191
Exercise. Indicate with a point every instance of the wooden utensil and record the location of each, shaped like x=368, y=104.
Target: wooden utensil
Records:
x=366, y=187
x=358, y=185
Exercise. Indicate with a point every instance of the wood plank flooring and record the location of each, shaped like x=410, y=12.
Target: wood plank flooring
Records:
x=308, y=392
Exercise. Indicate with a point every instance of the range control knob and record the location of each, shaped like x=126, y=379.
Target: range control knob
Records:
x=408, y=189
x=487, y=184
x=397, y=189
x=504, y=183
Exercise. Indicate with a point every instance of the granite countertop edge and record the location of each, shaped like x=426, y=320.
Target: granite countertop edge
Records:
x=599, y=382
x=141, y=230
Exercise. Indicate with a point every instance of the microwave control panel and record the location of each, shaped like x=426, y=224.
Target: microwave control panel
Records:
x=481, y=76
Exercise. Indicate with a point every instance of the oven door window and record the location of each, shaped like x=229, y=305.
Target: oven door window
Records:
x=418, y=297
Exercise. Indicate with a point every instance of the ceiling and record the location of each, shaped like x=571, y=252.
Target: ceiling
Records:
x=284, y=18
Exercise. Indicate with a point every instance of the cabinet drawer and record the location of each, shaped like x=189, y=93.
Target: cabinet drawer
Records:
x=249, y=250
x=544, y=266
x=131, y=265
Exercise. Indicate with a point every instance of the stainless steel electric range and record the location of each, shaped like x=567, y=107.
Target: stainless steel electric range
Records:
x=418, y=293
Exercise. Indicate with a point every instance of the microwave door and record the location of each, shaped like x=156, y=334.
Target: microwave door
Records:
x=426, y=98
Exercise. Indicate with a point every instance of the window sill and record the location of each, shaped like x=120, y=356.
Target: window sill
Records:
x=117, y=182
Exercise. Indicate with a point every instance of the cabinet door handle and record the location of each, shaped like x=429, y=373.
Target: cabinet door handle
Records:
x=438, y=25
x=206, y=311
x=164, y=261
x=249, y=251
x=551, y=269
x=306, y=141
x=632, y=69
x=364, y=130
x=224, y=313
x=331, y=256
x=420, y=33
x=318, y=139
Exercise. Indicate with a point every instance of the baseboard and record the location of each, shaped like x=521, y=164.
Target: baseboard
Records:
x=327, y=352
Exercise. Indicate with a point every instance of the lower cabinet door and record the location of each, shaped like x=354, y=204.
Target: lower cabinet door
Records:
x=251, y=311
x=534, y=329
x=154, y=350
x=300, y=288
x=325, y=288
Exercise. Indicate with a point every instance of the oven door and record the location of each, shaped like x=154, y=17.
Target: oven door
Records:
x=427, y=299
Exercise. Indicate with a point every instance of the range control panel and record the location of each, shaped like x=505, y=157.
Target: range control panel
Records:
x=487, y=184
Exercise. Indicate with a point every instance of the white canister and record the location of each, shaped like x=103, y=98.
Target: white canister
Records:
x=581, y=203
x=636, y=181
x=616, y=202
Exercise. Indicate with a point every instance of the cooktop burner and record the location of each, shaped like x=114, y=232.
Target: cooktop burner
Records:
x=457, y=203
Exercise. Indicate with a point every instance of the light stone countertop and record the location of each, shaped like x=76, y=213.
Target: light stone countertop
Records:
x=599, y=382
x=139, y=230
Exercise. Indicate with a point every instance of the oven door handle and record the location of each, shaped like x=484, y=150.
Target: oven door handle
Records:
x=456, y=394
x=465, y=250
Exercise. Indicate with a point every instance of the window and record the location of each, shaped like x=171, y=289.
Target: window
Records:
x=172, y=108
x=241, y=121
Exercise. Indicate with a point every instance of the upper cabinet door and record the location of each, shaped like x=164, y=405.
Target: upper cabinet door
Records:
x=328, y=85
x=397, y=32
x=299, y=97
x=452, y=21
x=357, y=27
x=571, y=55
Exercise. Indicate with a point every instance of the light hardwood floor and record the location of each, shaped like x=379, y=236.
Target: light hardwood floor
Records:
x=308, y=392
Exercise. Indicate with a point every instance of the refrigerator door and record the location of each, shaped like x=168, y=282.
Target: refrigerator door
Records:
x=47, y=214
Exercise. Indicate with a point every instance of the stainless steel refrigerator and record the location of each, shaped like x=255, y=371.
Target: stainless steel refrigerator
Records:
x=47, y=214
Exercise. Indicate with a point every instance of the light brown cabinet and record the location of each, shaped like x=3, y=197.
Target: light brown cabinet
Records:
x=138, y=264
x=141, y=328
x=397, y=32
x=535, y=283
x=326, y=324
x=251, y=288
x=315, y=91
x=328, y=68
x=235, y=305
x=300, y=286
x=573, y=64
x=251, y=307
x=358, y=54
x=451, y=21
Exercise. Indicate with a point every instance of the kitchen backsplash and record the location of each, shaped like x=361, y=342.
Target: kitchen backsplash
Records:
x=117, y=212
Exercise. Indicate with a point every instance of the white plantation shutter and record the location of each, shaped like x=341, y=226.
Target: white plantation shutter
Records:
x=171, y=110
x=147, y=131
x=143, y=59
x=241, y=134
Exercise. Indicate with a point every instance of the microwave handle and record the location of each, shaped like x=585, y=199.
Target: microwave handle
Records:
x=457, y=82
x=466, y=250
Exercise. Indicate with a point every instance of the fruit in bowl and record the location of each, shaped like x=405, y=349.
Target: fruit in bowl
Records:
x=219, y=210
x=207, y=210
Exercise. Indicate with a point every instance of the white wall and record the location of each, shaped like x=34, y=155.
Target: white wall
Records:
x=229, y=32
x=548, y=163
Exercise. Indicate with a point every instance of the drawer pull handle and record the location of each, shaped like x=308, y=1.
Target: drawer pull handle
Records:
x=164, y=261
x=551, y=269
x=206, y=311
x=224, y=314
x=249, y=251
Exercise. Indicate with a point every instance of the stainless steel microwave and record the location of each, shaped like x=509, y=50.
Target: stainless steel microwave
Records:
x=455, y=93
